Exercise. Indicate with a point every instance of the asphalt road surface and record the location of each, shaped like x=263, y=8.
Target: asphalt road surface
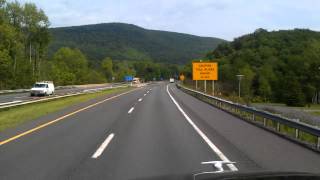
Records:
x=152, y=131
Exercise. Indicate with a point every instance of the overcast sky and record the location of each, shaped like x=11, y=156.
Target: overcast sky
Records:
x=225, y=19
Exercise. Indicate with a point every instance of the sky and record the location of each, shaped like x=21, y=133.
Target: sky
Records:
x=226, y=19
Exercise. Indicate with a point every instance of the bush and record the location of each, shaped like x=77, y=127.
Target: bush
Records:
x=294, y=95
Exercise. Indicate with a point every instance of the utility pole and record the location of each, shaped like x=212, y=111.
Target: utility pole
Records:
x=239, y=76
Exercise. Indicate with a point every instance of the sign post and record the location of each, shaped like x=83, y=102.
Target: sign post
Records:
x=240, y=76
x=205, y=71
x=205, y=86
x=196, y=84
x=213, y=87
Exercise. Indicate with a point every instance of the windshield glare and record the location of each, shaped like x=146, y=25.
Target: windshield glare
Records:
x=39, y=86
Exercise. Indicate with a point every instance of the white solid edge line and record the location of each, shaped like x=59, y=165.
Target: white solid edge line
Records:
x=140, y=100
x=204, y=137
x=130, y=111
x=103, y=146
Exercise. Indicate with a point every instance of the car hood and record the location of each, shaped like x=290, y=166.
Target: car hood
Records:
x=259, y=175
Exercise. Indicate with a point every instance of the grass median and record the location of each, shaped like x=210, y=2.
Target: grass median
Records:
x=15, y=116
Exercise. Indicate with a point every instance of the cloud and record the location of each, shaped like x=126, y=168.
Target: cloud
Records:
x=217, y=18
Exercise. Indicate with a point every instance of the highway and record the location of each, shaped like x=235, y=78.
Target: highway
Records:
x=25, y=96
x=152, y=131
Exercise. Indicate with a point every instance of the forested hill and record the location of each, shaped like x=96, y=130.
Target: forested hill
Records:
x=129, y=42
x=278, y=66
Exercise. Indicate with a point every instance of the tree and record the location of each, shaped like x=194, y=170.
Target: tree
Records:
x=264, y=88
x=272, y=60
x=35, y=25
x=24, y=37
x=95, y=77
x=292, y=91
x=69, y=66
x=246, y=83
x=107, y=68
x=5, y=68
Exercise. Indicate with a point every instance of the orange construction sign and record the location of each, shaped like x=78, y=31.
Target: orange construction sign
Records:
x=205, y=71
x=182, y=77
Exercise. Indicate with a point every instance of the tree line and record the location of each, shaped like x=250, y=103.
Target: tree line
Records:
x=70, y=66
x=279, y=66
x=24, y=38
x=24, y=41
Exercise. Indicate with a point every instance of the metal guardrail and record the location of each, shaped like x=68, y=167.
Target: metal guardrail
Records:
x=300, y=132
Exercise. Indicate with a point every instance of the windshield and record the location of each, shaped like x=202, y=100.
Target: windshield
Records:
x=40, y=85
x=137, y=89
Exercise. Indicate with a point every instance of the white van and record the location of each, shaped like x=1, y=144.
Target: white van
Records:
x=43, y=88
x=171, y=80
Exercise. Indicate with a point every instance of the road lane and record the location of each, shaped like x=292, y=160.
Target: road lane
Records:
x=251, y=147
x=54, y=151
x=214, y=148
x=4, y=98
x=154, y=139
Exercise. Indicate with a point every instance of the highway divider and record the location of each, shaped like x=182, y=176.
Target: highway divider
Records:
x=302, y=133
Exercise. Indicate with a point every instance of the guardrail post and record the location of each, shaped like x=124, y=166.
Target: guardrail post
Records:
x=252, y=117
x=297, y=133
x=264, y=122
x=318, y=145
x=278, y=127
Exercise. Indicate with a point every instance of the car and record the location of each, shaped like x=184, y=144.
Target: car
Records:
x=43, y=88
x=136, y=80
x=171, y=80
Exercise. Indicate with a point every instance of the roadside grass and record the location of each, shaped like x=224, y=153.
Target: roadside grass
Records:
x=311, y=107
x=271, y=104
x=316, y=113
x=15, y=116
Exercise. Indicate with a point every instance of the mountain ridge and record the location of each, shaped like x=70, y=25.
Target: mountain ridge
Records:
x=122, y=41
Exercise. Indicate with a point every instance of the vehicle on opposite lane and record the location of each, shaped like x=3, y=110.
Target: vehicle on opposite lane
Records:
x=42, y=88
